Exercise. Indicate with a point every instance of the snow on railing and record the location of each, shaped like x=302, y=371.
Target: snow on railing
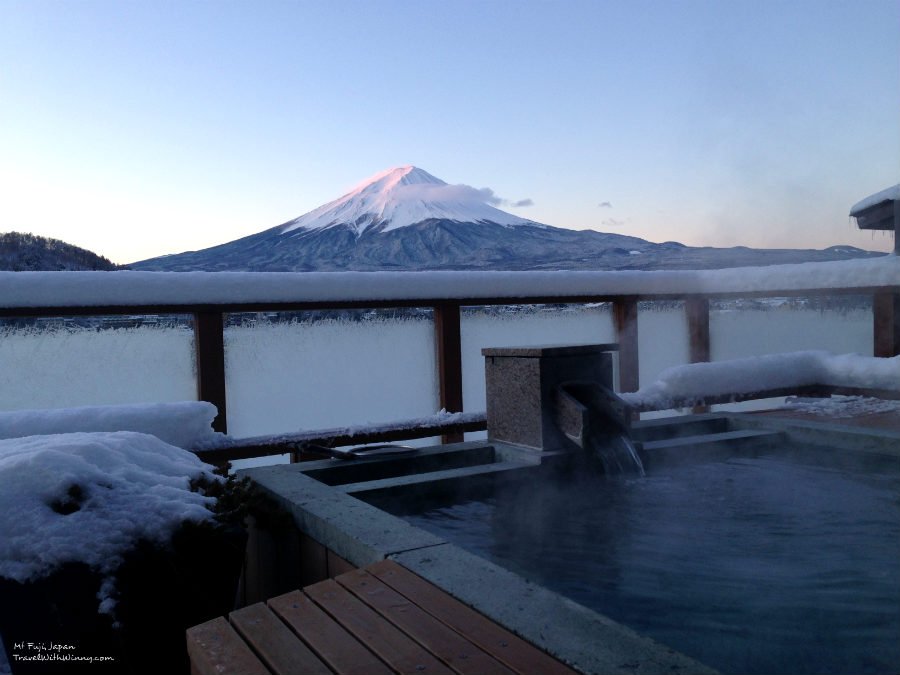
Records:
x=177, y=289
x=759, y=376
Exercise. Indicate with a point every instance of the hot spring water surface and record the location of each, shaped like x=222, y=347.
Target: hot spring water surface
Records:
x=756, y=565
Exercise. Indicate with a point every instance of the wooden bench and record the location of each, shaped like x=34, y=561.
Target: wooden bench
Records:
x=378, y=619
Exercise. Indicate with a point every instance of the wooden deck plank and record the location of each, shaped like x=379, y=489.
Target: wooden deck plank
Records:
x=452, y=648
x=520, y=655
x=216, y=649
x=282, y=651
x=327, y=638
x=398, y=650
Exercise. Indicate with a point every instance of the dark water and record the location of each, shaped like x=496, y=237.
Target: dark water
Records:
x=762, y=565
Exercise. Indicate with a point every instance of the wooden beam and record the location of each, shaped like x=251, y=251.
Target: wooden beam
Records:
x=302, y=445
x=209, y=346
x=448, y=346
x=886, y=324
x=696, y=311
x=626, y=325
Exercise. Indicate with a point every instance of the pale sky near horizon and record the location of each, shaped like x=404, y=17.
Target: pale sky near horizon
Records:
x=137, y=129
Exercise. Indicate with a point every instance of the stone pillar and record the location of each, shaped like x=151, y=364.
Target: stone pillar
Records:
x=521, y=384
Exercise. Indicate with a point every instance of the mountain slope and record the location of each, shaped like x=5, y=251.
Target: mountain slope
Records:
x=31, y=253
x=406, y=219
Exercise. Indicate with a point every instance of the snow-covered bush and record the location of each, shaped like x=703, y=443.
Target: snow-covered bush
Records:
x=114, y=542
x=89, y=497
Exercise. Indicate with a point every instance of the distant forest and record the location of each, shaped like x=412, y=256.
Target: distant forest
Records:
x=21, y=252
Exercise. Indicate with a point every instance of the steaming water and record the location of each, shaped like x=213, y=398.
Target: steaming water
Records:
x=760, y=565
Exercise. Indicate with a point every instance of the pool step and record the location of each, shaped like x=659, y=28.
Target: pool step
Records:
x=669, y=427
x=428, y=481
x=707, y=447
x=421, y=460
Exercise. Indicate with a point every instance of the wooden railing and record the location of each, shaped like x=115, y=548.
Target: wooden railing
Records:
x=209, y=322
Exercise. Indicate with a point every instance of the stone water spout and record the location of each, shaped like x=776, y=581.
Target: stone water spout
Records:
x=595, y=419
x=559, y=398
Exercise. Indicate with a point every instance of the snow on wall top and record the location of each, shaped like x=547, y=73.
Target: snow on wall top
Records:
x=95, y=289
x=403, y=196
x=891, y=193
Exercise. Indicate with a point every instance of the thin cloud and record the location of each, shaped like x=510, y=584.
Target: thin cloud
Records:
x=488, y=196
x=613, y=222
x=605, y=205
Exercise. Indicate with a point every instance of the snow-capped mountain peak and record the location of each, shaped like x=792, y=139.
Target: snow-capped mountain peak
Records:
x=400, y=197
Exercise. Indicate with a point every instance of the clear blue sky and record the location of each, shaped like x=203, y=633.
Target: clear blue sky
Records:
x=142, y=128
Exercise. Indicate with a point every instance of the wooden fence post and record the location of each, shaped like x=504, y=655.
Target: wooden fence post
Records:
x=626, y=325
x=696, y=311
x=886, y=323
x=448, y=346
x=209, y=345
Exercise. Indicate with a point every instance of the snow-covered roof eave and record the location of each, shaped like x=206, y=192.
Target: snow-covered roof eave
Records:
x=887, y=195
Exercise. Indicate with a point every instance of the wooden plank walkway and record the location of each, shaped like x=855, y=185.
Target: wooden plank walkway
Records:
x=374, y=620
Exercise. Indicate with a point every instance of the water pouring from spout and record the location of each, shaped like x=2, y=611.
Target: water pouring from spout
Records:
x=598, y=421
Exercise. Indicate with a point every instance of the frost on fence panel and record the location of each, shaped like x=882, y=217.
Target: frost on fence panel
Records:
x=662, y=338
x=788, y=328
x=525, y=326
x=841, y=327
x=69, y=366
x=318, y=372
x=741, y=328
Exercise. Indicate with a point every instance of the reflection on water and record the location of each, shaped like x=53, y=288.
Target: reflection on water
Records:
x=758, y=565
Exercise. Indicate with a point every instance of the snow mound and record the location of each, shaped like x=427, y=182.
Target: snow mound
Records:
x=400, y=197
x=88, y=497
x=185, y=424
x=772, y=371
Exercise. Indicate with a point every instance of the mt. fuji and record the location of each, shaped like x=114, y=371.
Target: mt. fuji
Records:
x=406, y=219
x=401, y=197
